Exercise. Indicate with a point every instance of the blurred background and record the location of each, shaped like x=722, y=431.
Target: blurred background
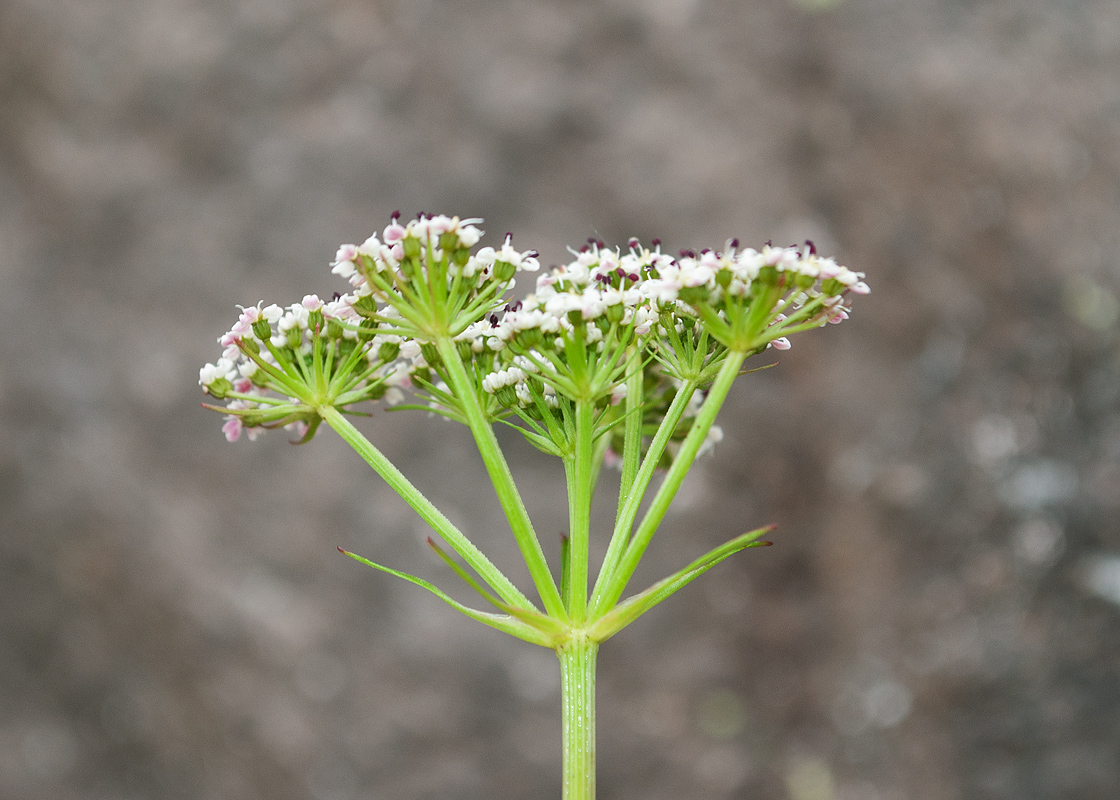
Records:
x=939, y=618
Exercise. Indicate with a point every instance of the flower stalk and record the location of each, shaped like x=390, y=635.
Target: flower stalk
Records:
x=577, y=703
x=623, y=358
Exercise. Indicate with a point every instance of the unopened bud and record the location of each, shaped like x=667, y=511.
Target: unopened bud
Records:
x=507, y=396
x=218, y=388
x=430, y=353
x=412, y=248
x=388, y=351
x=694, y=294
x=504, y=271
x=529, y=339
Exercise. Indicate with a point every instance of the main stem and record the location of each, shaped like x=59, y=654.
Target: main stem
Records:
x=577, y=695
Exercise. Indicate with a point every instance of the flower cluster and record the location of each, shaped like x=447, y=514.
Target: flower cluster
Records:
x=574, y=339
x=279, y=363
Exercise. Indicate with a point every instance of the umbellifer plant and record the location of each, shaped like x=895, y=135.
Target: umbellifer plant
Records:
x=619, y=357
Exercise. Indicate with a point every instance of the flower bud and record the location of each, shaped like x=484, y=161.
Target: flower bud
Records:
x=484, y=362
x=431, y=354
x=767, y=276
x=366, y=330
x=412, y=248
x=507, y=396
x=529, y=338
x=694, y=294
x=504, y=271
x=218, y=388
x=448, y=241
x=250, y=346
x=262, y=330
x=335, y=329
x=388, y=351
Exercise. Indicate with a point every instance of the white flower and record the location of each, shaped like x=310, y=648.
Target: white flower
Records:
x=215, y=372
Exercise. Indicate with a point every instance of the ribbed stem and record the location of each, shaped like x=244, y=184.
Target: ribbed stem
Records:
x=577, y=695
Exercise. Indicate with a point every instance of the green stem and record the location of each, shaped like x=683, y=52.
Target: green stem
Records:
x=428, y=512
x=628, y=511
x=615, y=583
x=463, y=388
x=577, y=696
x=578, y=470
x=632, y=441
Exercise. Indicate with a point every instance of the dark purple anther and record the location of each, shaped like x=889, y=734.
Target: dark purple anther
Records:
x=812, y=247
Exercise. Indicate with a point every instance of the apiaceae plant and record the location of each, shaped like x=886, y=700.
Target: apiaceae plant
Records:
x=620, y=357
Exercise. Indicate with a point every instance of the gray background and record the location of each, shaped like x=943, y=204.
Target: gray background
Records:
x=939, y=618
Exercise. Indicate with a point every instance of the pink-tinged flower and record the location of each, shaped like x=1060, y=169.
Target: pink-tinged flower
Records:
x=299, y=428
x=232, y=428
x=346, y=253
x=312, y=302
x=342, y=308
x=781, y=343
x=394, y=232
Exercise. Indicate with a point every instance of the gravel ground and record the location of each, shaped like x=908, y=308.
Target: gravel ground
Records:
x=940, y=616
